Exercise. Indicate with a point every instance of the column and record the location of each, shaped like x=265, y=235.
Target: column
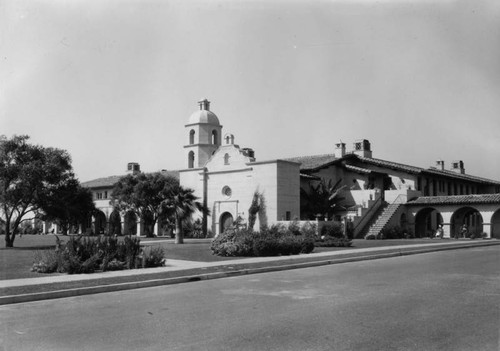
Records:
x=155, y=229
x=138, y=228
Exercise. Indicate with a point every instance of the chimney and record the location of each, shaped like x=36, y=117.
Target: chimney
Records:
x=362, y=148
x=133, y=168
x=249, y=152
x=339, y=150
x=458, y=166
x=440, y=165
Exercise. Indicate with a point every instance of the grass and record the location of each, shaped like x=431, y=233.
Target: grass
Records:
x=16, y=262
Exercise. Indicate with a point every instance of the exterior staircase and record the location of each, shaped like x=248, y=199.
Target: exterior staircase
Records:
x=384, y=216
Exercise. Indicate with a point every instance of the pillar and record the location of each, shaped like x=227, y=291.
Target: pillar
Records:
x=138, y=228
x=155, y=229
x=487, y=229
x=44, y=227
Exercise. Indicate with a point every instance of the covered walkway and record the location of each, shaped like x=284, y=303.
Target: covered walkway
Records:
x=480, y=213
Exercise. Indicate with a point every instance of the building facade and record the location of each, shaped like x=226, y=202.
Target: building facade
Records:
x=375, y=193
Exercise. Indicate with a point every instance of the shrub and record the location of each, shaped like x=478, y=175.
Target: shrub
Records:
x=193, y=229
x=394, y=232
x=153, y=256
x=333, y=242
x=273, y=241
x=45, y=261
x=332, y=230
x=86, y=255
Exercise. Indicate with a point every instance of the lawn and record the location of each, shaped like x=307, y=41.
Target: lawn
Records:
x=16, y=262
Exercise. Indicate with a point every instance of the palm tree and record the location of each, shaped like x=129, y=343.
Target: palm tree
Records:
x=323, y=199
x=182, y=204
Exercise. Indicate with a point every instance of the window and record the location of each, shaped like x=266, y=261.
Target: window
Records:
x=227, y=192
x=191, y=137
x=214, y=137
x=191, y=159
x=105, y=194
x=288, y=216
x=226, y=159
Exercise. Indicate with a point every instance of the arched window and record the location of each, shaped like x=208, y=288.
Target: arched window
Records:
x=214, y=137
x=191, y=159
x=226, y=159
x=191, y=137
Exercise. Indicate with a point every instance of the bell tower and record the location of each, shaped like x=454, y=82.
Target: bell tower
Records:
x=203, y=136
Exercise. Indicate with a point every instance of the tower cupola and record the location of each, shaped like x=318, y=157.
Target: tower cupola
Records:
x=203, y=134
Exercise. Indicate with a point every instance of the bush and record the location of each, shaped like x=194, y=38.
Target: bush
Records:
x=333, y=230
x=87, y=255
x=45, y=261
x=153, y=257
x=273, y=241
x=333, y=242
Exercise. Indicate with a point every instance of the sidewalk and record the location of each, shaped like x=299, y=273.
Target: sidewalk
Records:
x=181, y=271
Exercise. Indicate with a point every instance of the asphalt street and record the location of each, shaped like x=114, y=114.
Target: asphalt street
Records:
x=448, y=300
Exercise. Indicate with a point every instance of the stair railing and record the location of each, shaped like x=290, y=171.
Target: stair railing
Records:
x=362, y=222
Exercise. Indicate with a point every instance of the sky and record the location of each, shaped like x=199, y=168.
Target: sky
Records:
x=114, y=82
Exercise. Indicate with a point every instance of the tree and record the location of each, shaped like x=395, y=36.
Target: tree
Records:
x=144, y=194
x=323, y=199
x=28, y=173
x=68, y=204
x=182, y=205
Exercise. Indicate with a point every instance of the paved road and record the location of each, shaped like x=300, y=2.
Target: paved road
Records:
x=439, y=301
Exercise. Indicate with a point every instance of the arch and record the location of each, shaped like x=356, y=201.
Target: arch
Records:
x=148, y=223
x=426, y=222
x=87, y=225
x=115, y=223
x=191, y=136
x=495, y=225
x=403, y=222
x=99, y=222
x=130, y=223
x=191, y=159
x=225, y=222
x=469, y=216
x=215, y=137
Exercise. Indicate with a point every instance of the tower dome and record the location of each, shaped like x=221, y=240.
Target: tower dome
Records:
x=204, y=115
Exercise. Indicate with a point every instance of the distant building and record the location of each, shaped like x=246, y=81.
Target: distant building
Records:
x=376, y=193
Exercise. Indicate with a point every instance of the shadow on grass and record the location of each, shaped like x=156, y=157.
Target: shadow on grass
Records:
x=28, y=248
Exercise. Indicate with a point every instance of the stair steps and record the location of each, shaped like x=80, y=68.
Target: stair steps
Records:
x=383, y=218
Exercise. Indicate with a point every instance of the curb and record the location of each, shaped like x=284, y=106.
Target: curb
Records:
x=12, y=299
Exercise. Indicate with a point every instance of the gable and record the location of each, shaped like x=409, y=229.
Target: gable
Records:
x=228, y=157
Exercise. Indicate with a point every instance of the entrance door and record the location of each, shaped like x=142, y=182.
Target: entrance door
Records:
x=226, y=221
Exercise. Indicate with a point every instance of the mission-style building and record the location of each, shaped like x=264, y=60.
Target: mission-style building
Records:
x=375, y=193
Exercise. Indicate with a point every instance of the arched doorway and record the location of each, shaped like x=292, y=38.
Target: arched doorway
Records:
x=130, y=223
x=99, y=222
x=403, y=222
x=147, y=222
x=426, y=222
x=115, y=225
x=225, y=222
x=470, y=217
x=495, y=225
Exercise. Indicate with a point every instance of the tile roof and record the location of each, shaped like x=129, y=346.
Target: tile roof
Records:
x=109, y=182
x=313, y=162
x=390, y=164
x=456, y=199
x=358, y=169
x=468, y=177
